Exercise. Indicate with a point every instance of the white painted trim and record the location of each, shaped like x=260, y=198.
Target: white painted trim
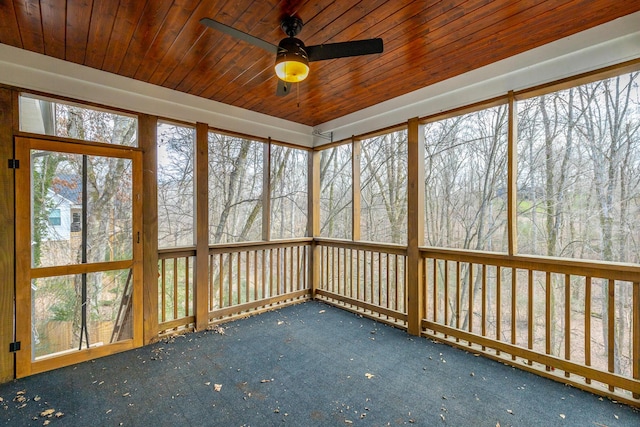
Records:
x=608, y=44
x=29, y=70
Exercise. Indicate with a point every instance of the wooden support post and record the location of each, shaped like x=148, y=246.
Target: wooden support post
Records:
x=200, y=285
x=512, y=174
x=415, y=227
x=266, y=191
x=7, y=260
x=356, y=147
x=147, y=131
x=313, y=219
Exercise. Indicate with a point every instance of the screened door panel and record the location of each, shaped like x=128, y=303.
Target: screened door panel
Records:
x=78, y=252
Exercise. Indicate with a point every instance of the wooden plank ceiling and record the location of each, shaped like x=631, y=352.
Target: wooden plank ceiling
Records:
x=162, y=42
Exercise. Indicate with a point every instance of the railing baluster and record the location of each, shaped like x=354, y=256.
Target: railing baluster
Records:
x=567, y=319
x=499, y=303
x=279, y=273
x=386, y=286
x=364, y=275
x=514, y=306
x=435, y=290
x=211, y=271
x=351, y=272
x=547, y=315
x=339, y=271
x=636, y=334
x=230, y=287
x=380, y=279
x=163, y=264
x=530, y=314
x=255, y=275
x=372, y=278
x=404, y=284
x=221, y=286
x=247, y=280
x=238, y=295
x=587, y=324
x=611, y=336
x=458, y=270
x=270, y=272
x=396, y=283
x=175, y=288
x=483, y=325
x=446, y=292
x=291, y=270
x=263, y=272
x=470, y=298
x=187, y=312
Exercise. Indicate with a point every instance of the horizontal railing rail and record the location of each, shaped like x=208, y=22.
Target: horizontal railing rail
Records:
x=571, y=320
x=364, y=277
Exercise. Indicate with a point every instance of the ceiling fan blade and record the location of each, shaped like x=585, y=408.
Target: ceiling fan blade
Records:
x=283, y=88
x=239, y=35
x=341, y=50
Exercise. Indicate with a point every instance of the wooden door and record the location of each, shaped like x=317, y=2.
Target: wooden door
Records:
x=78, y=252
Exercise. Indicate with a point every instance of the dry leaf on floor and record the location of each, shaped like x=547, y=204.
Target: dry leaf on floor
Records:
x=46, y=422
x=321, y=311
x=562, y=416
x=59, y=415
x=47, y=412
x=265, y=381
x=510, y=411
x=217, y=387
x=368, y=375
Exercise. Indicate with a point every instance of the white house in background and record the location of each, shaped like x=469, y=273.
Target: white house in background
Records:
x=65, y=216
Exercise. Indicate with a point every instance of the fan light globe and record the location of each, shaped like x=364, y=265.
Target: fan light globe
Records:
x=292, y=64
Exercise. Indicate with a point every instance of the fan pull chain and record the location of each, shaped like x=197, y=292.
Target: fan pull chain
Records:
x=298, y=94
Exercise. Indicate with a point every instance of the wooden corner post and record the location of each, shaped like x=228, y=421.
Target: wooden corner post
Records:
x=201, y=288
x=313, y=224
x=415, y=227
x=148, y=129
x=7, y=219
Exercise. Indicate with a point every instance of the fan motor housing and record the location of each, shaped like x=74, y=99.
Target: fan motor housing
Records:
x=291, y=25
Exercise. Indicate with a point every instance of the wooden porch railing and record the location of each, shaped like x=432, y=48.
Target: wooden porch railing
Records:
x=365, y=277
x=243, y=278
x=175, y=289
x=249, y=277
x=574, y=321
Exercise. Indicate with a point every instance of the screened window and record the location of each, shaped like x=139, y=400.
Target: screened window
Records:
x=288, y=192
x=176, y=156
x=383, y=188
x=579, y=171
x=235, y=189
x=466, y=181
x=51, y=117
x=336, y=192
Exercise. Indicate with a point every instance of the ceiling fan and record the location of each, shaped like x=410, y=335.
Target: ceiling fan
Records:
x=292, y=56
